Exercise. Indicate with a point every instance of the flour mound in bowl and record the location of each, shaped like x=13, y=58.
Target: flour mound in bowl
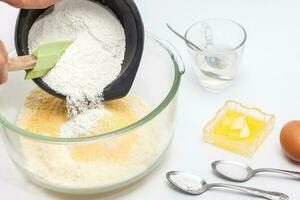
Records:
x=95, y=58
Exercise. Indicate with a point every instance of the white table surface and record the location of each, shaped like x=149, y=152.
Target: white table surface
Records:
x=269, y=78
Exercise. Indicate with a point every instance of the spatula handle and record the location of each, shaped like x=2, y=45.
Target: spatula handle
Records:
x=21, y=63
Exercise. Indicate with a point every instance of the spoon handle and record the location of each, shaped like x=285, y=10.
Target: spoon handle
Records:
x=279, y=171
x=183, y=38
x=253, y=191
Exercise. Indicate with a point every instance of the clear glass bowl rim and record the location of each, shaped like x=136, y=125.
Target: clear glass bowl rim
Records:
x=217, y=19
x=171, y=94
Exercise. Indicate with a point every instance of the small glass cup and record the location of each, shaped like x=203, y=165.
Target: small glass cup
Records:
x=220, y=45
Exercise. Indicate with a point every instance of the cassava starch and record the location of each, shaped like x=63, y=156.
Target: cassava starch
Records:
x=82, y=124
x=94, y=59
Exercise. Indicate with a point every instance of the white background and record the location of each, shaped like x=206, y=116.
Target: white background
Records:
x=269, y=79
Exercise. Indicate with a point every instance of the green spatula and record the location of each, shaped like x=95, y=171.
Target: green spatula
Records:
x=41, y=61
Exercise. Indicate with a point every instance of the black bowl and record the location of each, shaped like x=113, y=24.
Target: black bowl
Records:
x=130, y=18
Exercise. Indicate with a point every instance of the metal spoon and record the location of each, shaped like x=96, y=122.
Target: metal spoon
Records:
x=195, y=185
x=217, y=166
x=216, y=76
x=184, y=38
x=211, y=60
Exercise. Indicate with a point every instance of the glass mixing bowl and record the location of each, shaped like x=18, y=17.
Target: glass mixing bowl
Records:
x=157, y=83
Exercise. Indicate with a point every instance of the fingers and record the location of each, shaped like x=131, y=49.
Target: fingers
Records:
x=31, y=3
x=3, y=63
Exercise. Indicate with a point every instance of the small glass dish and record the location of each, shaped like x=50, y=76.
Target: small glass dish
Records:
x=260, y=125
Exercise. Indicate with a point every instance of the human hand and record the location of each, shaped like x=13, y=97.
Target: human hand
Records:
x=19, y=4
x=3, y=63
x=31, y=3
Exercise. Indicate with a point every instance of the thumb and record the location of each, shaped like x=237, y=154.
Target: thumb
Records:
x=31, y=3
x=3, y=63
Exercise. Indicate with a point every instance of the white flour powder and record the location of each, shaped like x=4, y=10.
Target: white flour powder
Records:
x=186, y=182
x=80, y=125
x=94, y=59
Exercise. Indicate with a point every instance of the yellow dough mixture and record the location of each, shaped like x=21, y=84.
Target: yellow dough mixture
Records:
x=101, y=162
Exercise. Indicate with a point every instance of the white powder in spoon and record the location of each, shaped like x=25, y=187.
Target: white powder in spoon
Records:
x=186, y=182
x=232, y=170
x=92, y=62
